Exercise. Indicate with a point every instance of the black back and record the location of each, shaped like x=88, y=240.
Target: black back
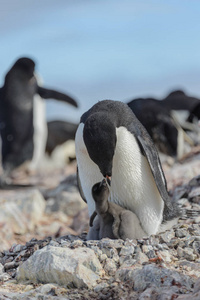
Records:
x=16, y=114
x=158, y=122
x=178, y=100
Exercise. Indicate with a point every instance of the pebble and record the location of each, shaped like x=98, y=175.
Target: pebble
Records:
x=141, y=257
x=110, y=267
x=127, y=250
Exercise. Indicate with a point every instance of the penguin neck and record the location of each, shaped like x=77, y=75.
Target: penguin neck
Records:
x=102, y=207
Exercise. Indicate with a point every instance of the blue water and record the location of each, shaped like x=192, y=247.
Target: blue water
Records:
x=108, y=49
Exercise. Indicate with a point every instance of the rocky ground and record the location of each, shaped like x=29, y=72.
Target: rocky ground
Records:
x=44, y=254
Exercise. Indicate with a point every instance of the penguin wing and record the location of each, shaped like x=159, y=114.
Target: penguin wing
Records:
x=149, y=151
x=80, y=187
x=171, y=209
x=47, y=93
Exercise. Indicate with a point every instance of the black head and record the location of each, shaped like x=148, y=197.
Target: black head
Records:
x=25, y=65
x=100, y=191
x=100, y=139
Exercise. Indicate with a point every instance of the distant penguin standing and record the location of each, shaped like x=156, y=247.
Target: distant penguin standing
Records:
x=111, y=143
x=23, y=126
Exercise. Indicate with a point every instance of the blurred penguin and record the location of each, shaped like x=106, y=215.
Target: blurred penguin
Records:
x=23, y=125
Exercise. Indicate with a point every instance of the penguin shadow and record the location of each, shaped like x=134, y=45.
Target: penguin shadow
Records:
x=110, y=220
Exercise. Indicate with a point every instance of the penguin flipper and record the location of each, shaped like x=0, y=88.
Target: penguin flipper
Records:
x=171, y=209
x=80, y=187
x=47, y=93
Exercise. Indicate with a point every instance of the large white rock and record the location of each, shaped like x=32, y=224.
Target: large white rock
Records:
x=69, y=267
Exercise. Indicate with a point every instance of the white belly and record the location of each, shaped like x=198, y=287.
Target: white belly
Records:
x=132, y=184
x=40, y=132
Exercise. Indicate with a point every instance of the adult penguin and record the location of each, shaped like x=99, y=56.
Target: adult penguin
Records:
x=22, y=115
x=112, y=143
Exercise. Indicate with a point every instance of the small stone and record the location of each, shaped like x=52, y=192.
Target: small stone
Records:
x=102, y=257
x=99, y=287
x=180, y=252
x=77, y=243
x=173, y=243
x=151, y=254
x=127, y=250
x=46, y=288
x=54, y=243
x=189, y=241
x=110, y=252
x=165, y=255
x=110, y=267
x=108, y=243
x=167, y=236
x=18, y=248
x=122, y=259
x=5, y=277
x=1, y=269
x=189, y=254
x=97, y=251
x=146, y=248
x=128, y=263
x=153, y=240
x=141, y=257
x=180, y=233
x=196, y=247
x=28, y=288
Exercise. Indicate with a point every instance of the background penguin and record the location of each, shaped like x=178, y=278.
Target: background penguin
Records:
x=178, y=100
x=111, y=142
x=112, y=220
x=158, y=122
x=58, y=133
x=22, y=115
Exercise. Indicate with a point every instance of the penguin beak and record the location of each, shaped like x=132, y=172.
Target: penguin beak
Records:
x=108, y=180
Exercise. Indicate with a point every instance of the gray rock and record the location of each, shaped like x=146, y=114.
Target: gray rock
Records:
x=196, y=247
x=165, y=255
x=108, y=243
x=127, y=250
x=1, y=269
x=110, y=267
x=181, y=232
x=152, y=275
x=99, y=287
x=141, y=257
x=78, y=267
x=188, y=254
x=167, y=236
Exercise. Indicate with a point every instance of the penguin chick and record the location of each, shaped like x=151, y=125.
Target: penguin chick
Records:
x=112, y=220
